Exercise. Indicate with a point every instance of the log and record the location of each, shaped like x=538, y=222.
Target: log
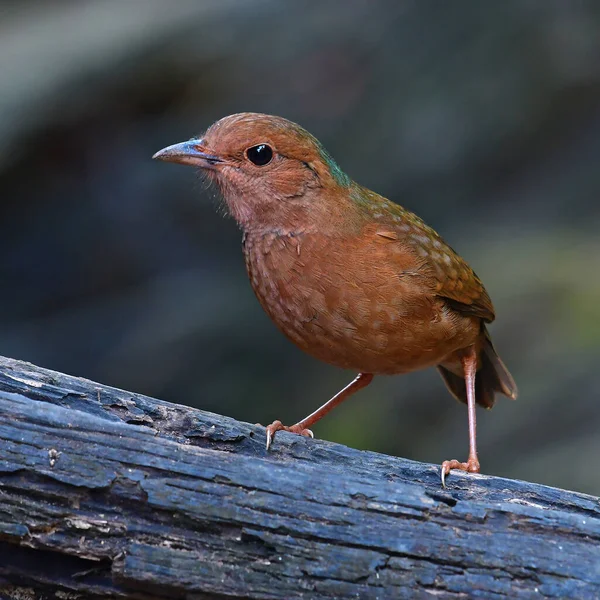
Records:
x=110, y=494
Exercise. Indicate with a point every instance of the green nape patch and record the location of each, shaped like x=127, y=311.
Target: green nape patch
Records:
x=336, y=172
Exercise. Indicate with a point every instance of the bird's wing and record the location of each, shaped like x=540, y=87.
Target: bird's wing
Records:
x=455, y=281
x=465, y=293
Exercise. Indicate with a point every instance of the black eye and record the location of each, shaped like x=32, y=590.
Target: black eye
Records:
x=260, y=155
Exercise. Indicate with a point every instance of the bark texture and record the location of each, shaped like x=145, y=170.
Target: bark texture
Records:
x=109, y=494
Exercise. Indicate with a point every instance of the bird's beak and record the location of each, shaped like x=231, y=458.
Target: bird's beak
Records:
x=191, y=152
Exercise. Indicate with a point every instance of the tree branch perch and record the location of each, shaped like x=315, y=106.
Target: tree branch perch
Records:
x=110, y=494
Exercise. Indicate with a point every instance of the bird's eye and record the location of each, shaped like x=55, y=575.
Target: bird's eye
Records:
x=260, y=155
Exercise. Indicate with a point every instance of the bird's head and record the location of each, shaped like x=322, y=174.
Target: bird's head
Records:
x=269, y=170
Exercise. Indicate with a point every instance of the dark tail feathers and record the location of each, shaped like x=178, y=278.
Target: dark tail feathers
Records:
x=492, y=377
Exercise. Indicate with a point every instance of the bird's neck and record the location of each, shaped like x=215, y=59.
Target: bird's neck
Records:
x=335, y=214
x=288, y=218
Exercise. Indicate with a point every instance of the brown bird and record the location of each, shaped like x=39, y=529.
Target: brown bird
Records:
x=351, y=278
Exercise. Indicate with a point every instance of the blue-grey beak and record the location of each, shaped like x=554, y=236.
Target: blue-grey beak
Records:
x=188, y=153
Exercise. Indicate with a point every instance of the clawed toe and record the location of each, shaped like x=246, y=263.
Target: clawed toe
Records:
x=276, y=426
x=471, y=466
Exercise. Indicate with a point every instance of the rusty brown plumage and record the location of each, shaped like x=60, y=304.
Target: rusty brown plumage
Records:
x=353, y=279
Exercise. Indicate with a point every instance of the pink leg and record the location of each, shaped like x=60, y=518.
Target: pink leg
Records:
x=469, y=362
x=303, y=427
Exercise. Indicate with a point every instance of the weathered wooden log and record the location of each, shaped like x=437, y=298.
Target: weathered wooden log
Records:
x=110, y=494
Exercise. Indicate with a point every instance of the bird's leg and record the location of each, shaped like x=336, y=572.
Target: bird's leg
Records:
x=469, y=364
x=303, y=427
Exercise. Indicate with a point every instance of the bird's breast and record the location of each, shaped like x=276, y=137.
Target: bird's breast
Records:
x=357, y=305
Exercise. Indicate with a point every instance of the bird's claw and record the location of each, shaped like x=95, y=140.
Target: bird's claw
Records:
x=471, y=466
x=276, y=426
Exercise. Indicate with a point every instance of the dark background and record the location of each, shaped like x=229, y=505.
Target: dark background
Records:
x=483, y=117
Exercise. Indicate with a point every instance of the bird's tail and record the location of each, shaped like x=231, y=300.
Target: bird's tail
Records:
x=492, y=376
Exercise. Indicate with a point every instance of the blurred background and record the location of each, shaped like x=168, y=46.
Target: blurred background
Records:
x=484, y=118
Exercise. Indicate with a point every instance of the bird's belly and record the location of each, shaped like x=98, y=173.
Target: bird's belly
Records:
x=374, y=326
x=372, y=345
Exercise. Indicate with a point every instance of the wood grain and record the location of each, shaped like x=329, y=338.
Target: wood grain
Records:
x=110, y=494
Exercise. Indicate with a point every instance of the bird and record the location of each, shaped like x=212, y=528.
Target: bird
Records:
x=350, y=277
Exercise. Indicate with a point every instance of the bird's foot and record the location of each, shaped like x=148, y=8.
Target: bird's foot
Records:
x=471, y=466
x=276, y=426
